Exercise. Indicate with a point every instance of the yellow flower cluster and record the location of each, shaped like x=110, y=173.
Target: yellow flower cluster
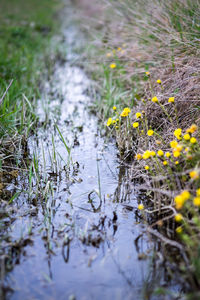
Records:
x=181, y=198
x=178, y=133
x=125, y=112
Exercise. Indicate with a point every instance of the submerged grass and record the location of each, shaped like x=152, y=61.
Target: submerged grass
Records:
x=148, y=68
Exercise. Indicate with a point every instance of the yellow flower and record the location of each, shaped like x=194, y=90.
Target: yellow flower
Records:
x=176, y=162
x=171, y=100
x=140, y=206
x=167, y=154
x=192, y=128
x=185, y=195
x=194, y=174
x=147, y=73
x=117, y=120
x=178, y=217
x=125, y=112
x=179, y=201
x=196, y=201
x=177, y=133
x=154, y=99
x=173, y=144
x=179, y=148
x=187, y=149
x=119, y=49
x=160, y=153
x=146, y=167
x=114, y=107
x=113, y=121
x=186, y=137
x=193, y=140
x=179, y=229
x=198, y=192
x=152, y=153
x=165, y=163
x=109, y=54
x=109, y=122
x=150, y=132
x=138, y=156
x=113, y=66
x=159, y=81
x=146, y=154
x=138, y=115
x=135, y=125
x=176, y=153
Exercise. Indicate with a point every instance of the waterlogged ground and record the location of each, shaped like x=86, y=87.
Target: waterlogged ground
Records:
x=74, y=231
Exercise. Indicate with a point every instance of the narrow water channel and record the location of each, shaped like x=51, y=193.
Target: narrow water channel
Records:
x=77, y=215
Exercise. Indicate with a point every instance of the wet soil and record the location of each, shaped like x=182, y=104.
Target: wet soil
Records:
x=73, y=230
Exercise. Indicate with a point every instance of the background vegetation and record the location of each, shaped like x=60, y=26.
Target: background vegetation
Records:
x=25, y=60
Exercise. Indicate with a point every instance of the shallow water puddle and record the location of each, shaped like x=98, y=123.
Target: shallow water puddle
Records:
x=79, y=221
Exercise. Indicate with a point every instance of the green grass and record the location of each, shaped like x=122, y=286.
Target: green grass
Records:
x=25, y=31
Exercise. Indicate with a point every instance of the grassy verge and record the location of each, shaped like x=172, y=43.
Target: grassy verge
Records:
x=148, y=67
x=26, y=55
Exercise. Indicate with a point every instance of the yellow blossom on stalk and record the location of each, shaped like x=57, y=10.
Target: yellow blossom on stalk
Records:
x=146, y=154
x=193, y=140
x=117, y=127
x=113, y=66
x=138, y=156
x=146, y=167
x=198, y=192
x=178, y=217
x=177, y=133
x=173, y=144
x=179, y=229
x=176, y=162
x=154, y=99
x=159, y=81
x=135, y=125
x=171, y=100
x=117, y=120
x=196, y=201
x=143, y=112
x=192, y=128
x=194, y=174
x=176, y=153
x=119, y=49
x=179, y=201
x=165, y=163
x=140, y=206
x=114, y=107
x=187, y=149
x=114, y=121
x=152, y=153
x=160, y=153
x=147, y=73
x=125, y=112
x=109, y=122
x=138, y=115
x=150, y=132
x=179, y=148
x=167, y=154
x=185, y=195
x=186, y=137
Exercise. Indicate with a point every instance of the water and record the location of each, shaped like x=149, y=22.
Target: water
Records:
x=76, y=231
